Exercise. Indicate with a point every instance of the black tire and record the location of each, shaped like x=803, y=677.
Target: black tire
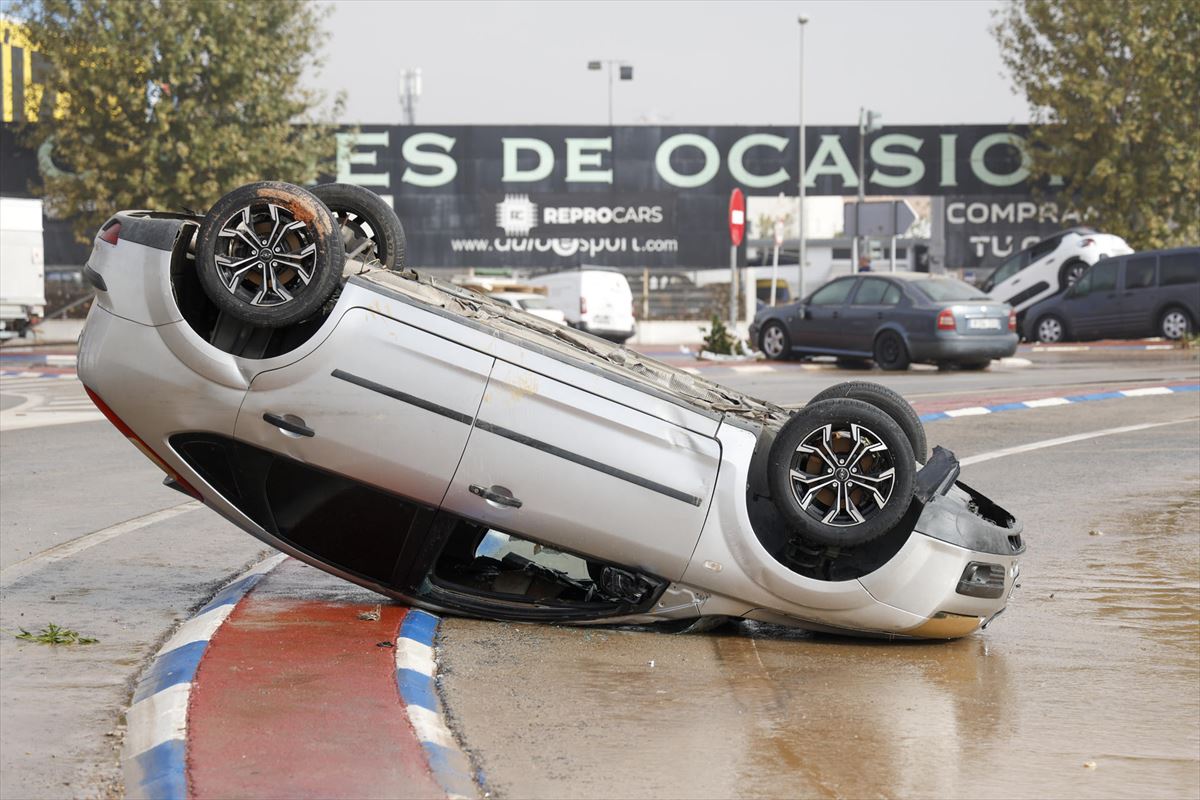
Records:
x=1176, y=323
x=774, y=335
x=890, y=352
x=851, y=455
x=891, y=403
x=1050, y=329
x=1071, y=272
x=296, y=237
x=370, y=228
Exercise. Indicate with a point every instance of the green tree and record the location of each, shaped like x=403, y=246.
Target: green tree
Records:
x=1114, y=86
x=170, y=104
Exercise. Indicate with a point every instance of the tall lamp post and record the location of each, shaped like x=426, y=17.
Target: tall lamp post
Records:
x=803, y=20
x=626, y=74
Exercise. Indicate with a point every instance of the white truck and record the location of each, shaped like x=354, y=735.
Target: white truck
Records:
x=22, y=266
x=593, y=299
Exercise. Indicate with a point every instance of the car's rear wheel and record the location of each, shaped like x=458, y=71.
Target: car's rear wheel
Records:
x=890, y=352
x=890, y=402
x=774, y=341
x=370, y=229
x=268, y=254
x=1070, y=273
x=1051, y=330
x=841, y=472
x=1175, y=323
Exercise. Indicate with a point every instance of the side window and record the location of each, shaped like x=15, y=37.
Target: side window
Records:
x=871, y=292
x=1082, y=286
x=1104, y=277
x=1007, y=270
x=1139, y=272
x=833, y=294
x=1042, y=250
x=892, y=296
x=1179, y=268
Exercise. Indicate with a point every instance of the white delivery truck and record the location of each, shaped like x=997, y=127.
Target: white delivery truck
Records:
x=594, y=299
x=22, y=265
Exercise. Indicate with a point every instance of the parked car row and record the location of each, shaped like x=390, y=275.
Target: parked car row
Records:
x=1141, y=294
x=895, y=318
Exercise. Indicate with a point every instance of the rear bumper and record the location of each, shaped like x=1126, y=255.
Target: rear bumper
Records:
x=963, y=348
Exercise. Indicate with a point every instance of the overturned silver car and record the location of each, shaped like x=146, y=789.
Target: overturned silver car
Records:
x=279, y=363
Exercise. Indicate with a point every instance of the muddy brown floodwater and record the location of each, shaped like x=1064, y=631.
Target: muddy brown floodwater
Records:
x=1088, y=687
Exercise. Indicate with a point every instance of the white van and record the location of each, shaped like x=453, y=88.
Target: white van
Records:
x=22, y=281
x=594, y=299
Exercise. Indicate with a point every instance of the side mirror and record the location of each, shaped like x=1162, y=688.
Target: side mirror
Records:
x=804, y=312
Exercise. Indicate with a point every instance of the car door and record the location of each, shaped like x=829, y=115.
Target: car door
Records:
x=380, y=402
x=1139, y=295
x=819, y=325
x=1094, y=304
x=565, y=467
x=871, y=303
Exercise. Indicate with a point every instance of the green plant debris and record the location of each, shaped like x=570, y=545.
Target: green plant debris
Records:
x=54, y=634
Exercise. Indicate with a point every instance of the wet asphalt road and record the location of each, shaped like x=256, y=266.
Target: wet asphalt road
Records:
x=1097, y=660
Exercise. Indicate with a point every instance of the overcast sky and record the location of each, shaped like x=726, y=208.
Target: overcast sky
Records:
x=694, y=62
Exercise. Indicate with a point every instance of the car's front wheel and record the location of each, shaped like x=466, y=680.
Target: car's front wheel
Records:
x=774, y=341
x=1051, y=330
x=1175, y=323
x=269, y=254
x=841, y=472
x=890, y=352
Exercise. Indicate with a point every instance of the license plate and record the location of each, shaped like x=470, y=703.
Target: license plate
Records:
x=984, y=324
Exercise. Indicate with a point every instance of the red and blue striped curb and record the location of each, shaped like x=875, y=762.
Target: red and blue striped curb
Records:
x=155, y=751
x=1045, y=402
x=416, y=680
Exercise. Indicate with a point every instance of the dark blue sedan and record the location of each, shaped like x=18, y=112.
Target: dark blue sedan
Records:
x=894, y=318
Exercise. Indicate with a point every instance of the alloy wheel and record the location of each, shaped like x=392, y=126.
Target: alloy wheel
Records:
x=843, y=475
x=265, y=255
x=772, y=341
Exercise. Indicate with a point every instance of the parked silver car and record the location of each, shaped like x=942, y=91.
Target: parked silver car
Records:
x=461, y=455
x=894, y=318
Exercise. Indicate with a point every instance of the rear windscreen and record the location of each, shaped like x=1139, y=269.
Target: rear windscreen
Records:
x=948, y=289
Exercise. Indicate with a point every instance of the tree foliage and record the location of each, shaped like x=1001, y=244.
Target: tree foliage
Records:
x=170, y=104
x=1114, y=86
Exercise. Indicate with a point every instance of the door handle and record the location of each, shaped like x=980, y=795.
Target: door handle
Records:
x=289, y=423
x=496, y=494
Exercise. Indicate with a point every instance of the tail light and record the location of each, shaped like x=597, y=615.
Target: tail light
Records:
x=111, y=232
x=582, y=304
x=1087, y=243
x=1012, y=320
x=945, y=320
x=128, y=433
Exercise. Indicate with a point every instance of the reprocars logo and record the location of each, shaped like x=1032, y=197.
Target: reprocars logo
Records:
x=516, y=214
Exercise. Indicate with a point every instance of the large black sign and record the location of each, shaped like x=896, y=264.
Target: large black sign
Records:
x=559, y=195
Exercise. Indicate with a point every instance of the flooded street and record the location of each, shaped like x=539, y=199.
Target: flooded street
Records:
x=1085, y=687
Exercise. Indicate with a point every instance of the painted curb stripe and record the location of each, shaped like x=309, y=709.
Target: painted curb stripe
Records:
x=1046, y=402
x=415, y=671
x=155, y=750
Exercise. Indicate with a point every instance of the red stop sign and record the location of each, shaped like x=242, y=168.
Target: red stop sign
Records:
x=737, y=217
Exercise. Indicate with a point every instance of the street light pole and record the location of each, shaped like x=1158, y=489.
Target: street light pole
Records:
x=803, y=20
